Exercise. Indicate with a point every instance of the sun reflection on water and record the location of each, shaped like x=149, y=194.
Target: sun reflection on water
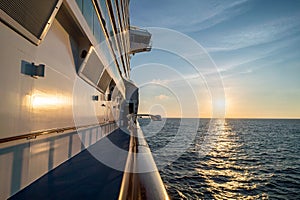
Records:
x=224, y=177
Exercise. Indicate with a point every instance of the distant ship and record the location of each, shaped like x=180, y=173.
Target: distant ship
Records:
x=65, y=86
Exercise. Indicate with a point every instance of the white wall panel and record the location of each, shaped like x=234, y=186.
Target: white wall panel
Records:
x=39, y=160
x=60, y=151
x=76, y=144
x=6, y=162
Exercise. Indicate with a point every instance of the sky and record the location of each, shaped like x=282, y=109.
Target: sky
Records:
x=247, y=66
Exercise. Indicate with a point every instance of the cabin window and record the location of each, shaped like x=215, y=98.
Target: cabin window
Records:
x=105, y=14
x=89, y=13
x=108, y=24
x=120, y=10
x=99, y=28
x=117, y=16
x=80, y=4
x=98, y=33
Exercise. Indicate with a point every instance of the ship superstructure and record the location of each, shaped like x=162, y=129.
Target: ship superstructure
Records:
x=65, y=82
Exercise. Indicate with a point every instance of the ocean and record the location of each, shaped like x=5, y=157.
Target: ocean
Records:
x=227, y=159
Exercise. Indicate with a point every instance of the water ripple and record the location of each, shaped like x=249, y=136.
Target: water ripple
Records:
x=248, y=159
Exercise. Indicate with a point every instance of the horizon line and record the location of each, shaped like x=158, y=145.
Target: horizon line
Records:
x=225, y=118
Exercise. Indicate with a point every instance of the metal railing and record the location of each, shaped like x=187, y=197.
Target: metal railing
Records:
x=141, y=179
x=35, y=134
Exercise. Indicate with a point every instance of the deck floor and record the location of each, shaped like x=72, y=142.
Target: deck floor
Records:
x=83, y=176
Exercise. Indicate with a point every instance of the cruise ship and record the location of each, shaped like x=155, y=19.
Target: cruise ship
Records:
x=68, y=107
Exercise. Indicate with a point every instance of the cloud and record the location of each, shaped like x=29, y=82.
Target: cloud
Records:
x=277, y=50
x=160, y=82
x=221, y=13
x=256, y=34
x=162, y=97
x=201, y=14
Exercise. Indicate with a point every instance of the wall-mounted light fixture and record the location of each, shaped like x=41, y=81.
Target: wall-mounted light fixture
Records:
x=32, y=70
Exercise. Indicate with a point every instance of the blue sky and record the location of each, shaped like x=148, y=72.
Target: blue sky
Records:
x=255, y=45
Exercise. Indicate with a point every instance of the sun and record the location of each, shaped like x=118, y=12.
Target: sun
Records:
x=220, y=107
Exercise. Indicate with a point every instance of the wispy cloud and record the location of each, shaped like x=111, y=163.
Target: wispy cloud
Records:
x=278, y=49
x=256, y=34
x=162, y=97
x=201, y=14
x=222, y=12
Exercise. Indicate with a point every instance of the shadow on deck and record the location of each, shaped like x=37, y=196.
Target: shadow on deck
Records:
x=83, y=176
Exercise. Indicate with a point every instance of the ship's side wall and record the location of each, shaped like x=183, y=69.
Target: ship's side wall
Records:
x=60, y=98
x=30, y=104
x=57, y=100
x=24, y=162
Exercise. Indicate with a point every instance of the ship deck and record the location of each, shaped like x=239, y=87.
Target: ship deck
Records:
x=83, y=176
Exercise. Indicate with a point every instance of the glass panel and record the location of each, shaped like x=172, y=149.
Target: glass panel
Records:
x=123, y=36
x=106, y=17
x=119, y=35
x=121, y=65
x=106, y=53
x=115, y=15
x=79, y=3
x=98, y=32
x=92, y=20
x=109, y=27
x=115, y=71
x=121, y=13
x=88, y=12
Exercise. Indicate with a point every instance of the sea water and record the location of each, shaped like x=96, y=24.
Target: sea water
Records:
x=227, y=158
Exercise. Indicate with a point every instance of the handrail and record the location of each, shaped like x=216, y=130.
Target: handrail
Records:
x=35, y=134
x=141, y=179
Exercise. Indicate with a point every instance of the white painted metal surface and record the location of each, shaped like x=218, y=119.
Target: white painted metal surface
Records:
x=60, y=98
x=24, y=162
x=30, y=104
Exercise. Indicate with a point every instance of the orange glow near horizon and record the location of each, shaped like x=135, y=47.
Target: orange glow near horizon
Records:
x=234, y=108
